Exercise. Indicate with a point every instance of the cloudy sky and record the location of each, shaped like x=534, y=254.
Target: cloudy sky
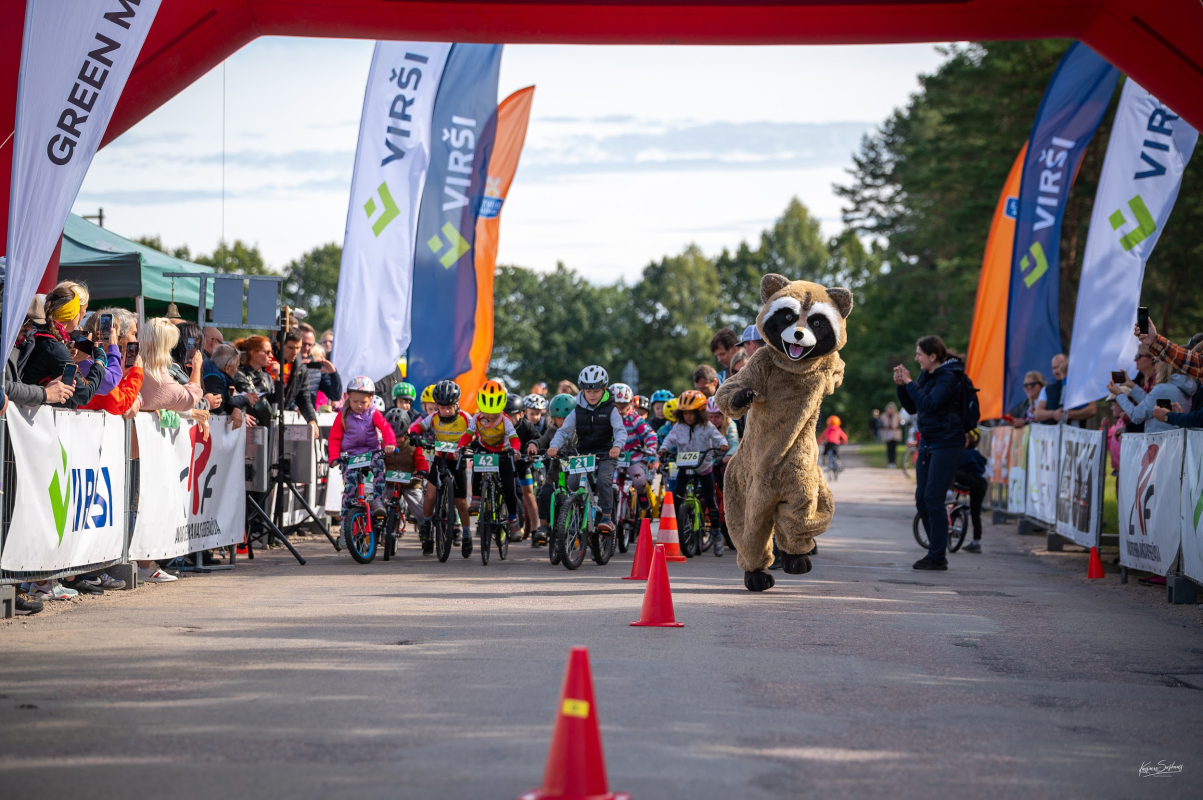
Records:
x=632, y=152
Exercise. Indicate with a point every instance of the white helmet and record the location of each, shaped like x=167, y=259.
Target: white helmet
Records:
x=622, y=393
x=378, y=402
x=593, y=377
x=535, y=401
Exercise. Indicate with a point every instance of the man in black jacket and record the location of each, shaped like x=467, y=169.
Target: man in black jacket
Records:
x=296, y=381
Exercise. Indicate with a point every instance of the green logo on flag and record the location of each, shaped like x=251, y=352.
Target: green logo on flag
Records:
x=1037, y=253
x=456, y=245
x=1145, y=224
x=60, y=496
x=390, y=209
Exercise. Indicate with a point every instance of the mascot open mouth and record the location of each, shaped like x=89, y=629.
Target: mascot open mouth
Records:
x=797, y=352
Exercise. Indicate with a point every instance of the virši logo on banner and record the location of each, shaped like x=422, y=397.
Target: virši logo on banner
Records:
x=89, y=506
x=389, y=213
x=1162, y=139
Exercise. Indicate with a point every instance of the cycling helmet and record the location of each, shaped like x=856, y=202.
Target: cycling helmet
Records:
x=491, y=398
x=361, y=384
x=622, y=393
x=670, y=409
x=446, y=393
x=397, y=418
x=712, y=407
x=642, y=403
x=404, y=389
x=535, y=401
x=513, y=405
x=428, y=394
x=691, y=400
x=378, y=402
x=561, y=405
x=833, y=420
x=593, y=377
x=661, y=396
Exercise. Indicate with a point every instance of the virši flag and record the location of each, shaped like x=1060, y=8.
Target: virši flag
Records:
x=1070, y=112
x=1146, y=156
x=372, y=316
x=444, y=290
x=75, y=59
x=988, y=339
x=512, y=117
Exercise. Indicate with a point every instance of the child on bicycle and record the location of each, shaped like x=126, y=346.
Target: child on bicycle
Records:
x=832, y=437
x=359, y=429
x=641, y=439
x=599, y=430
x=429, y=406
x=403, y=395
x=693, y=433
x=408, y=457
x=560, y=407
x=491, y=428
x=447, y=424
x=971, y=473
x=658, y=417
x=643, y=406
x=534, y=406
x=526, y=424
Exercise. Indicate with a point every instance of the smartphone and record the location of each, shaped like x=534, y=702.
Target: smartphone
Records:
x=85, y=346
x=69, y=373
x=131, y=353
x=190, y=349
x=1142, y=319
x=1166, y=404
x=105, y=327
x=1119, y=376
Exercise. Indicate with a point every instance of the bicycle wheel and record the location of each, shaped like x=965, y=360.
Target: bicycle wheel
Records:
x=484, y=532
x=704, y=538
x=443, y=515
x=622, y=521
x=909, y=457
x=503, y=541
x=555, y=541
x=572, y=529
x=360, y=536
x=686, y=524
x=920, y=532
x=602, y=545
x=958, y=526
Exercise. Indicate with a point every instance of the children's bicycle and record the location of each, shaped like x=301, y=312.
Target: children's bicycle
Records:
x=576, y=516
x=627, y=514
x=394, y=505
x=357, y=518
x=442, y=524
x=957, y=507
x=693, y=529
x=491, y=521
x=834, y=465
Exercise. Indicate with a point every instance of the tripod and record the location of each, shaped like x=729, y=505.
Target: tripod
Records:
x=281, y=471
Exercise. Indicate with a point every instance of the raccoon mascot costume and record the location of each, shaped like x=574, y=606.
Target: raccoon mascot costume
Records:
x=773, y=483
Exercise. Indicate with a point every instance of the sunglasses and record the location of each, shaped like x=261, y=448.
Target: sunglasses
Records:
x=1030, y=385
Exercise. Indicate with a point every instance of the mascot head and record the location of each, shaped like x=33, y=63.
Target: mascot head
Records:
x=800, y=320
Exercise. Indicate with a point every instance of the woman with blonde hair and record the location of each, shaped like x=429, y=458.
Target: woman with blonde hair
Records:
x=160, y=392
x=54, y=350
x=1138, y=404
x=1024, y=411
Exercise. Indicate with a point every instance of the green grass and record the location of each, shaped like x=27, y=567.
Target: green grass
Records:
x=1110, y=522
x=875, y=454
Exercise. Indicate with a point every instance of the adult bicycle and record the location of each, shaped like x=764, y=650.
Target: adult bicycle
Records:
x=957, y=507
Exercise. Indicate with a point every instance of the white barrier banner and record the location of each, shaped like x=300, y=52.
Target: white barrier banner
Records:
x=1044, y=442
x=1150, y=480
x=1192, y=507
x=1017, y=472
x=1000, y=452
x=191, y=494
x=71, y=507
x=1078, y=502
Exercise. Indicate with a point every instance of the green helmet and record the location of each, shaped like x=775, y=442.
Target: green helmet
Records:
x=561, y=405
x=404, y=389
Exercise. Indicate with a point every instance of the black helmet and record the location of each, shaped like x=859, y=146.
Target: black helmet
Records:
x=513, y=404
x=446, y=393
x=398, y=419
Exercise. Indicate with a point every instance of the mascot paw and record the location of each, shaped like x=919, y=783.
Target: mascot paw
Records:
x=758, y=581
x=795, y=565
x=743, y=398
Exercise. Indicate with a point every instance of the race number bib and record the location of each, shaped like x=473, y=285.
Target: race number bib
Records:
x=485, y=462
x=360, y=461
x=624, y=459
x=397, y=476
x=578, y=465
x=446, y=447
x=688, y=459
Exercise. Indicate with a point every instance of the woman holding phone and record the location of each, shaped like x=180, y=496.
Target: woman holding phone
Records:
x=1169, y=388
x=53, y=353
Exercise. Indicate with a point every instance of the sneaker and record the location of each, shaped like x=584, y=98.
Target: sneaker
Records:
x=891, y=466
x=424, y=531
x=155, y=575
x=456, y=535
x=466, y=547
x=776, y=563
x=51, y=590
x=82, y=586
x=26, y=605
x=931, y=564
x=606, y=525
x=107, y=581
x=540, y=537
x=512, y=525
x=377, y=508
x=973, y=547
x=718, y=544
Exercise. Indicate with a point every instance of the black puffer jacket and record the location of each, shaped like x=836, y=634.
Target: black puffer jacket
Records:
x=936, y=398
x=48, y=360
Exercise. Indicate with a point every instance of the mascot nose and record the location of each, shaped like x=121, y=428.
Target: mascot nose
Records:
x=805, y=336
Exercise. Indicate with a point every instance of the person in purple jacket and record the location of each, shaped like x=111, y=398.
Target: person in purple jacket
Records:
x=90, y=332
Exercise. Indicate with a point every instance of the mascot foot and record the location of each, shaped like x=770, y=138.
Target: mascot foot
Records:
x=795, y=565
x=758, y=581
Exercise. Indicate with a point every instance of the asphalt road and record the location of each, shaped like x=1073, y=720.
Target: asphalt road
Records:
x=1007, y=676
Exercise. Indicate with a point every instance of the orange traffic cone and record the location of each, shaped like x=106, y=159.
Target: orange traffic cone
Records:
x=1095, y=570
x=658, y=597
x=576, y=768
x=643, y=553
x=667, y=534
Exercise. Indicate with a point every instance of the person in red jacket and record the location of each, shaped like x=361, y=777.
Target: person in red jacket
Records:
x=832, y=437
x=360, y=428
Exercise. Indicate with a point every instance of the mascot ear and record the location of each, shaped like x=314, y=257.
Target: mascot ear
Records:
x=771, y=284
x=842, y=298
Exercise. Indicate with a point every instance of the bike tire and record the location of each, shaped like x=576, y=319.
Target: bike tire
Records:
x=443, y=520
x=360, y=537
x=572, y=529
x=958, y=526
x=622, y=522
x=909, y=457
x=485, y=533
x=919, y=531
x=602, y=546
x=503, y=541
x=555, y=539
x=685, y=528
x=704, y=537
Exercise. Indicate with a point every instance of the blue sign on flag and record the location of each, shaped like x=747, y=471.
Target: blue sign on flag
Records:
x=1070, y=113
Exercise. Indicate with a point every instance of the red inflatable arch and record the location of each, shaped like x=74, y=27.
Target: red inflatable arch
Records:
x=1157, y=42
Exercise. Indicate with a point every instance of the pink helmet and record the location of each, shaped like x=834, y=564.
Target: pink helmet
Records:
x=712, y=407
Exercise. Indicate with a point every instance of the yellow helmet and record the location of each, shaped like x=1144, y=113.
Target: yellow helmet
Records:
x=491, y=398
x=692, y=400
x=428, y=394
x=670, y=410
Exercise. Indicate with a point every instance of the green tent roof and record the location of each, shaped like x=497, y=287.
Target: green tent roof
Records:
x=114, y=268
